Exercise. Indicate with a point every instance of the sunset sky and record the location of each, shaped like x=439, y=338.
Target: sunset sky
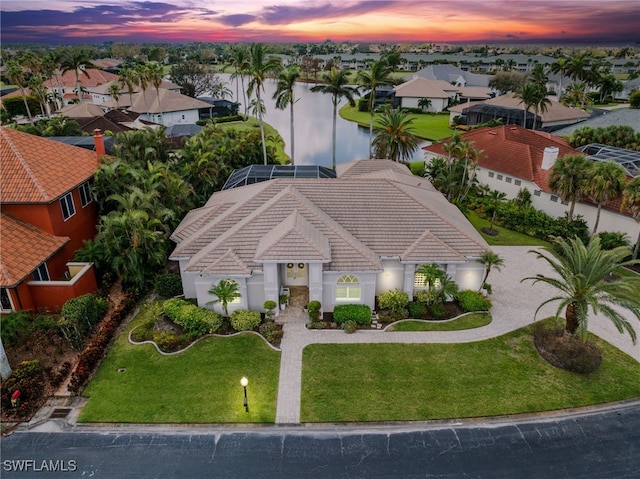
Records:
x=504, y=21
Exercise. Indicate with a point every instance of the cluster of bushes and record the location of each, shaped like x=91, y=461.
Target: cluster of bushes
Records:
x=221, y=119
x=195, y=321
x=396, y=302
x=358, y=313
x=472, y=301
x=94, y=351
x=168, y=285
x=79, y=316
x=244, y=320
x=28, y=378
x=271, y=332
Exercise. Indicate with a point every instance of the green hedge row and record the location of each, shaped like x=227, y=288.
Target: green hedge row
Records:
x=244, y=320
x=472, y=301
x=195, y=321
x=360, y=313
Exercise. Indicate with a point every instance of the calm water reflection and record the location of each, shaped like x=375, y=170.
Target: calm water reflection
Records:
x=313, y=116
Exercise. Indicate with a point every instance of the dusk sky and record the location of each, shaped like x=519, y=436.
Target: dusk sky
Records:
x=504, y=21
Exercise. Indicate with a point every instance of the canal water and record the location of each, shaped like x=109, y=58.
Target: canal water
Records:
x=313, y=117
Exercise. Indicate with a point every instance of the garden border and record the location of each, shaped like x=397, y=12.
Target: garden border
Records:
x=437, y=321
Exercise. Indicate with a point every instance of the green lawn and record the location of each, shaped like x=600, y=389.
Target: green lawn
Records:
x=427, y=126
x=504, y=237
x=200, y=385
x=469, y=321
x=407, y=382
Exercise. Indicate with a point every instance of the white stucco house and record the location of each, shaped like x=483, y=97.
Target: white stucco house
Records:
x=346, y=239
x=515, y=158
x=438, y=92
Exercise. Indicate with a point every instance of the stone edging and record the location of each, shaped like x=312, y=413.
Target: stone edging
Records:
x=149, y=341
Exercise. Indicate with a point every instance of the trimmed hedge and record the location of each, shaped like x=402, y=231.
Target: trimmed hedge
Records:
x=244, y=320
x=360, y=313
x=168, y=285
x=472, y=301
x=194, y=320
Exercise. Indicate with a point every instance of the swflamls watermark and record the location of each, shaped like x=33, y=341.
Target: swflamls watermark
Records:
x=33, y=465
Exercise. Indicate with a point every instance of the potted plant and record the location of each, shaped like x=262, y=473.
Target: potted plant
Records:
x=284, y=301
x=314, y=308
x=269, y=306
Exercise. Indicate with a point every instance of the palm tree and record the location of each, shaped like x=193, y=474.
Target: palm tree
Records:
x=76, y=61
x=240, y=63
x=226, y=291
x=259, y=66
x=495, y=197
x=582, y=283
x=39, y=92
x=424, y=104
x=560, y=67
x=606, y=184
x=567, y=179
x=155, y=73
x=631, y=201
x=335, y=83
x=379, y=74
x=394, y=136
x=141, y=77
x=577, y=67
x=127, y=78
x=17, y=77
x=490, y=260
x=529, y=95
x=114, y=91
x=285, y=96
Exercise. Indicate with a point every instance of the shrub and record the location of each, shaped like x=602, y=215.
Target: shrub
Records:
x=471, y=301
x=314, y=308
x=359, y=313
x=270, y=306
x=167, y=341
x=194, y=320
x=28, y=378
x=244, y=320
x=395, y=300
x=271, y=332
x=613, y=239
x=78, y=317
x=437, y=311
x=416, y=310
x=13, y=325
x=426, y=297
x=168, y=285
x=349, y=326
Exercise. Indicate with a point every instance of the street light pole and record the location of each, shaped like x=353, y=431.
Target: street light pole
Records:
x=244, y=382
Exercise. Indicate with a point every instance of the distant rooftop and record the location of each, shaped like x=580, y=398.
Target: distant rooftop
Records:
x=628, y=159
x=256, y=173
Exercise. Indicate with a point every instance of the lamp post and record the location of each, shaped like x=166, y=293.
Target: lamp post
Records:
x=244, y=382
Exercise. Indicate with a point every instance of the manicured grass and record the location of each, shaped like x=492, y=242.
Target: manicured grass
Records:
x=200, y=385
x=469, y=321
x=427, y=126
x=401, y=382
x=269, y=131
x=504, y=237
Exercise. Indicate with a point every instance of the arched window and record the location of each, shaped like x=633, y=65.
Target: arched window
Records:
x=348, y=288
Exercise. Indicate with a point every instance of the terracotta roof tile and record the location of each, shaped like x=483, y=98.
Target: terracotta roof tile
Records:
x=95, y=77
x=39, y=170
x=24, y=247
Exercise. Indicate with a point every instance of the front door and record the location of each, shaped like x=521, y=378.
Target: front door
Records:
x=296, y=274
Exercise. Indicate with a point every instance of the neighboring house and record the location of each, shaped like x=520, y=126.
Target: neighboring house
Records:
x=514, y=158
x=511, y=111
x=221, y=107
x=100, y=94
x=624, y=116
x=67, y=87
x=47, y=212
x=81, y=111
x=628, y=87
x=346, y=239
x=438, y=92
x=453, y=75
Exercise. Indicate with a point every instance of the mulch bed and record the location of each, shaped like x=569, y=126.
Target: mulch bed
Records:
x=567, y=352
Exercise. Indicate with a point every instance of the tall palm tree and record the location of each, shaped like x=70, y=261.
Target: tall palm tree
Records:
x=582, y=283
x=38, y=90
x=495, y=197
x=258, y=68
x=240, y=63
x=141, y=77
x=577, y=67
x=336, y=84
x=155, y=73
x=395, y=139
x=631, y=201
x=424, y=104
x=567, y=179
x=606, y=184
x=379, y=74
x=528, y=95
x=285, y=96
x=226, y=291
x=560, y=67
x=128, y=79
x=114, y=91
x=490, y=260
x=17, y=77
x=76, y=61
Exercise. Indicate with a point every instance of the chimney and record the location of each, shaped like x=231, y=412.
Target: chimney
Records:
x=549, y=157
x=98, y=140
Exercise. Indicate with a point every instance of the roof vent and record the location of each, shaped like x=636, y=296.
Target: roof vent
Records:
x=549, y=157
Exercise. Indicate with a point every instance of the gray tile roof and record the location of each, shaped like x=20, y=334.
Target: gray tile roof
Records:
x=374, y=209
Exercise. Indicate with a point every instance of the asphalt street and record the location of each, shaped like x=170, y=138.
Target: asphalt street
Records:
x=594, y=444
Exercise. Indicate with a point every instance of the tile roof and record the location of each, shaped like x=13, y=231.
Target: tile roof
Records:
x=514, y=151
x=374, y=209
x=24, y=248
x=95, y=77
x=419, y=87
x=169, y=101
x=39, y=170
x=81, y=110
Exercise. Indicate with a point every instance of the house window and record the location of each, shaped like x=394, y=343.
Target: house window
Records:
x=491, y=174
x=536, y=192
x=348, y=288
x=554, y=198
x=500, y=177
x=517, y=182
x=508, y=179
x=5, y=300
x=85, y=194
x=41, y=273
x=419, y=281
x=68, y=208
